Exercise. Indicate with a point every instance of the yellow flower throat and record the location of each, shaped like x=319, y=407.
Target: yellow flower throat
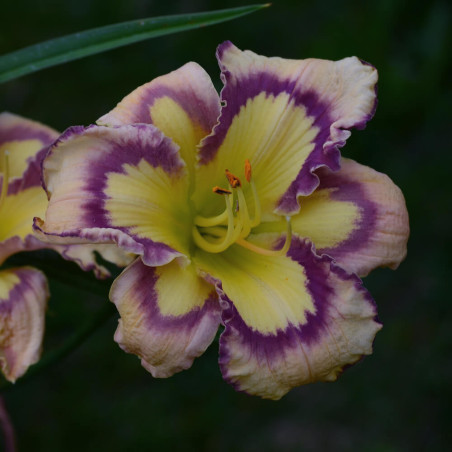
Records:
x=216, y=234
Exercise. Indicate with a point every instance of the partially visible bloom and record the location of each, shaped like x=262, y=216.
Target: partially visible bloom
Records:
x=242, y=212
x=24, y=291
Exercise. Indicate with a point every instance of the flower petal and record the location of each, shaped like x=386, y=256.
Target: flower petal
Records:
x=23, y=139
x=85, y=257
x=27, y=143
x=123, y=184
x=17, y=211
x=169, y=315
x=23, y=299
x=269, y=292
x=357, y=216
x=289, y=321
x=16, y=233
x=183, y=104
x=288, y=118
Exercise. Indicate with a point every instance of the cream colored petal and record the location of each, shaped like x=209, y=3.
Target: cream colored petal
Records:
x=169, y=315
x=23, y=139
x=125, y=185
x=23, y=300
x=183, y=104
x=288, y=117
x=289, y=320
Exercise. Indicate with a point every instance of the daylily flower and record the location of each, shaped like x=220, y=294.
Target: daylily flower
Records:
x=24, y=291
x=242, y=213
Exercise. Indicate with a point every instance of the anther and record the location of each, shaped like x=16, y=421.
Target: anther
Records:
x=234, y=181
x=221, y=191
x=216, y=234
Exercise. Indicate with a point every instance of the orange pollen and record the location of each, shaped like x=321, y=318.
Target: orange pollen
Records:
x=234, y=181
x=248, y=170
x=221, y=191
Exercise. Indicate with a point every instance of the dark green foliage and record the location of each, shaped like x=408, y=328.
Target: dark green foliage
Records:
x=99, y=398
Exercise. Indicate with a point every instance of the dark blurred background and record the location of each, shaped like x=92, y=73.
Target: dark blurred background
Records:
x=99, y=398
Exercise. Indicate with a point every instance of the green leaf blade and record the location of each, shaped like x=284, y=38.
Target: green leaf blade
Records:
x=78, y=45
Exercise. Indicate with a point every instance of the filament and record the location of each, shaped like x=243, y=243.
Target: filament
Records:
x=267, y=252
x=212, y=247
x=216, y=234
x=244, y=217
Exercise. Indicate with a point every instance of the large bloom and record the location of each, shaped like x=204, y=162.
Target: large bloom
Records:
x=242, y=212
x=23, y=291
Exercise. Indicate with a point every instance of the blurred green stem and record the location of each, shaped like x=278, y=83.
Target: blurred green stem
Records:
x=50, y=358
x=9, y=438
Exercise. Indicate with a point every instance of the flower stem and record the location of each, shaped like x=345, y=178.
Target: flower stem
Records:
x=50, y=358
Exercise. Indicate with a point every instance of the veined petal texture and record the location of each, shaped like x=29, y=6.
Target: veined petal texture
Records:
x=169, y=315
x=290, y=321
x=288, y=117
x=118, y=185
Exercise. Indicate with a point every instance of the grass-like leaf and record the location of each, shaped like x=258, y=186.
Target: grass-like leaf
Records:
x=78, y=45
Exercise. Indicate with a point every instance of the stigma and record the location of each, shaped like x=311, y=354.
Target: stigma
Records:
x=217, y=233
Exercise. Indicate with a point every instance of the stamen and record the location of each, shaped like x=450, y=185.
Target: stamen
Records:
x=267, y=252
x=215, y=231
x=228, y=239
x=234, y=181
x=247, y=170
x=5, y=177
x=244, y=217
x=206, y=222
x=221, y=191
x=211, y=233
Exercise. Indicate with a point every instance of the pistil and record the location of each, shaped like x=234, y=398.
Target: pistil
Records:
x=205, y=222
x=243, y=214
x=218, y=247
x=267, y=252
x=216, y=234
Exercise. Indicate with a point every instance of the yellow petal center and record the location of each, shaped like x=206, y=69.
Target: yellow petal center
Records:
x=217, y=233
